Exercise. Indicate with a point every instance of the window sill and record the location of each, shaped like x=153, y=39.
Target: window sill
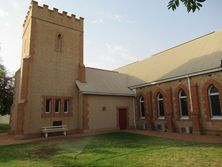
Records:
x=184, y=118
x=161, y=118
x=142, y=117
x=51, y=115
x=216, y=118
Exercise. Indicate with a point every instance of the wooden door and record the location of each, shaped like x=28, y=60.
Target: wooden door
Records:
x=123, y=118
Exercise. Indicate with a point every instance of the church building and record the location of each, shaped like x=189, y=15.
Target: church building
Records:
x=177, y=90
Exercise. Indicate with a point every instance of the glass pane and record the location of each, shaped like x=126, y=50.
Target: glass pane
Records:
x=57, y=105
x=142, y=110
x=183, y=107
x=182, y=93
x=215, y=105
x=141, y=99
x=48, y=105
x=59, y=42
x=213, y=89
x=161, y=108
x=160, y=96
x=66, y=103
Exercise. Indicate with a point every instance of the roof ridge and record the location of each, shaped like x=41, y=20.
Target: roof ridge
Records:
x=194, y=39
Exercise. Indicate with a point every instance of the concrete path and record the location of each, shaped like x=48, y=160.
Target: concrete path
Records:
x=6, y=139
x=179, y=136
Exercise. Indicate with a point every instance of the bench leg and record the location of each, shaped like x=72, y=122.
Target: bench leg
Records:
x=64, y=133
x=46, y=135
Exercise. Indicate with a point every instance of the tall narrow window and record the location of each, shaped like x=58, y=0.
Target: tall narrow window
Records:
x=59, y=43
x=214, y=101
x=66, y=106
x=183, y=104
x=48, y=105
x=57, y=105
x=160, y=105
x=142, y=109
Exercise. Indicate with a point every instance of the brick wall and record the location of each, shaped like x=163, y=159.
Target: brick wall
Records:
x=198, y=110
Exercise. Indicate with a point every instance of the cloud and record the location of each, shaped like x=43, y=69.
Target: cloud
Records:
x=119, y=51
x=111, y=56
x=104, y=17
x=98, y=21
x=117, y=17
x=3, y=13
x=120, y=18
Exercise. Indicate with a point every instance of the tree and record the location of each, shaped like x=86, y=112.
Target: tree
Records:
x=6, y=91
x=191, y=5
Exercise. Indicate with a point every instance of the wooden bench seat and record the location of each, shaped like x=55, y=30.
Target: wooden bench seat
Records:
x=52, y=129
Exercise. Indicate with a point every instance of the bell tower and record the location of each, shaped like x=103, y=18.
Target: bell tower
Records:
x=51, y=61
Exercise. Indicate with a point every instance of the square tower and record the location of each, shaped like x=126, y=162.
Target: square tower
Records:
x=51, y=61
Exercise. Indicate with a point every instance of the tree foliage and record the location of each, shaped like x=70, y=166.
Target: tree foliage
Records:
x=6, y=91
x=191, y=5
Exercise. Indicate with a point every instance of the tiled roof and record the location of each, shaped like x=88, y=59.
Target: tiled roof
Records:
x=106, y=82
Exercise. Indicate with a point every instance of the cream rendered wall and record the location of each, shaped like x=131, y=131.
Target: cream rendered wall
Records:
x=99, y=119
x=52, y=73
x=13, y=114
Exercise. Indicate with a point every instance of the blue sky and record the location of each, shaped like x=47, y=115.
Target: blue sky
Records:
x=117, y=32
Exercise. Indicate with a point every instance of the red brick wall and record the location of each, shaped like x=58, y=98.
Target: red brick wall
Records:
x=199, y=117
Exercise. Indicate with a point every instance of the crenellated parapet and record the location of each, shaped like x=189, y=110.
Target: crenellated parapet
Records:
x=53, y=15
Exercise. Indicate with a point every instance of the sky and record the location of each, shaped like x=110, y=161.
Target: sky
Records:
x=117, y=32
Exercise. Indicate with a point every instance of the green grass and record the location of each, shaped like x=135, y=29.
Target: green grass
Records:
x=4, y=128
x=112, y=150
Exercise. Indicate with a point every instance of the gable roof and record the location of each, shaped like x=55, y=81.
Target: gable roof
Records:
x=104, y=82
x=197, y=55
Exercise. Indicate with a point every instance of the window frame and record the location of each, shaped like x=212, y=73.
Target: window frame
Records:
x=59, y=42
x=59, y=106
x=160, y=99
x=66, y=100
x=210, y=102
x=142, y=102
x=50, y=105
x=180, y=98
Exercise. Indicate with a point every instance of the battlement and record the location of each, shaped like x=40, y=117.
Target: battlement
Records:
x=53, y=15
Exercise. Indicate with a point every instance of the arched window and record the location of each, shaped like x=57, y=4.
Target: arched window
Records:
x=59, y=42
x=160, y=105
x=183, y=104
x=214, y=101
x=142, y=109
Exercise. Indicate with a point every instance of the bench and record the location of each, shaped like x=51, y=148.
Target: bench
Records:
x=52, y=129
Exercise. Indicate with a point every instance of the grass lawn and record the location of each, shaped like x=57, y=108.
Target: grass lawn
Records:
x=112, y=150
x=4, y=127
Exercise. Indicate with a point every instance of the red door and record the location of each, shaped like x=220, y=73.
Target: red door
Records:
x=123, y=119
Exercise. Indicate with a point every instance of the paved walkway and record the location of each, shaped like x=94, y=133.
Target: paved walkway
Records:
x=179, y=136
x=6, y=139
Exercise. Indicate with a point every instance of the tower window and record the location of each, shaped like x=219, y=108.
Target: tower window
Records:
x=57, y=105
x=48, y=105
x=66, y=106
x=59, y=43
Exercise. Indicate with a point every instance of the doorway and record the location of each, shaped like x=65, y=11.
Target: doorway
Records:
x=122, y=118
